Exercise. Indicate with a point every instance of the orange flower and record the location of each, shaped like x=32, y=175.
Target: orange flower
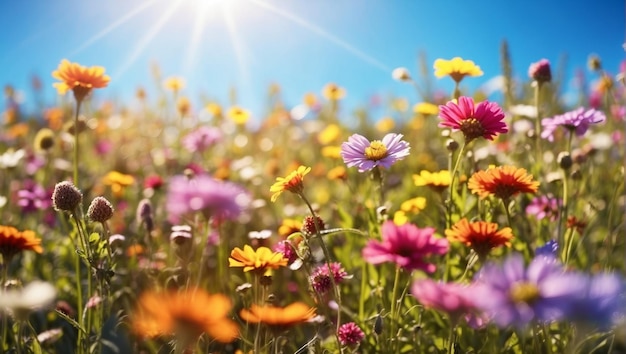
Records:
x=480, y=236
x=187, y=314
x=13, y=241
x=263, y=260
x=333, y=92
x=503, y=182
x=80, y=79
x=290, y=315
x=292, y=183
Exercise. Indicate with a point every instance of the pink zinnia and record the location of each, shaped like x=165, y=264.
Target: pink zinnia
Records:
x=484, y=119
x=406, y=245
x=451, y=298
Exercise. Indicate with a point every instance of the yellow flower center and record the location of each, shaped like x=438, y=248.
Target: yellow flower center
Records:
x=376, y=151
x=472, y=129
x=524, y=292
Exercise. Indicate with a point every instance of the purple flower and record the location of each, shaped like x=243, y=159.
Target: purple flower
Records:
x=512, y=294
x=204, y=194
x=202, y=139
x=602, y=301
x=544, y=206
x=550, y=249
x=33, y=197
x=451, y=298
x=360, y=152
x=320, y=279
x=406, y=245
x=350, y=334
x=577, y=121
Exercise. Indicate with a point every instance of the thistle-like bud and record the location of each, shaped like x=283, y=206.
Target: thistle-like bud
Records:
x=564, y=160
x=310, y=225
x=66, y=197
x=100, y=210
x=144, y=214
x=452, y=145
x=540, y=71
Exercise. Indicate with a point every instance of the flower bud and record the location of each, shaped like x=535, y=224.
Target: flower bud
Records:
x=401, y=74
x=100, y=210
x=540, y=71
x=594, y=63
x=564, y=160
x=310, y=225
x=66, y=197
x=452, y=145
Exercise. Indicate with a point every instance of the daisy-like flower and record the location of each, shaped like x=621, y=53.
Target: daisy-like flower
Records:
x=451, y=298
x=292, y=183
x=481, y=236
x=333, y=92
x=426, y=108
x=474, y=120
x=118, y=182
x=185, y=314
x=202, y=138
x=576, y=121
x=513, y=294
x=544, y=206
x=174, y=83
x=281, y=317
x=360, y=152
x=204, y=194
x=289, y=226
x=13, y=241
x=263, y=260
x=80, y=79
x=406, y=245
x=32, y=297
x=238, y=115
x=503, y=182
x=456, y=68
x=439, y=181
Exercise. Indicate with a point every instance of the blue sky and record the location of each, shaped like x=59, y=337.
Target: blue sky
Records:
x=301, y=45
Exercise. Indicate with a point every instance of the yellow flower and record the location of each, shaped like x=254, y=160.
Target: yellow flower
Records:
x=118, y=181
x=329, y=134
x=385, y=125
x=292, y=183
x=414, y=205
x=263, y=260
x=400, y=104
x=426, y=109
x=44, y=139
x=456, y=68
x=333, y=152
x=290, y=315
x=436, y=180
x=289, y=226
x=183, y=105
x=174, y=83
x=400, y=218
x=333, y=92
x=80, y=79
x=309, y=99
x=214, y=108
x=238, y=115
x=338, y=172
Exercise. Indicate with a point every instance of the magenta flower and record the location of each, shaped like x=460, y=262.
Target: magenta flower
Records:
x=513, y=294
x=350, y=334
x=33, y=197
x=577, y=121
x=540, y=71
x=360, y=152
x=451, y=298
x=484, y=119
x=320, y=279
x=206, y=195
x=406, y=245
x=287, y=249
x=544, y=206
x=202, y=138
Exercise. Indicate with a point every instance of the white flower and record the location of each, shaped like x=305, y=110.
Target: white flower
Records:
x=401, y=74
x=32, y=297
x=11, y=158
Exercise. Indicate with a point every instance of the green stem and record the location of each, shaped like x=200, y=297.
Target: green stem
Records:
x=564, y=207
x=537, y=125
x=505, y=204
x=451, y=338
x=5, y=322
x=450, y=200
x=363, y=292
x=394, y=310
x=76, y=148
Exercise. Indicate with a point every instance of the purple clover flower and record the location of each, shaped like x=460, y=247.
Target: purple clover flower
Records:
x=320, y=279
x=213, y=198
x=577, y=121
x=360, y=152
x=512, y=294
x=202, y=138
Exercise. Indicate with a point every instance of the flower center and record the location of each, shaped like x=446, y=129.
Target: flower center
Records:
x=524, y=292
x=376, y=151
x=472, y=129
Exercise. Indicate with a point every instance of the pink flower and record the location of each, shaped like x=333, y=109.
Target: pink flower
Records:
x=540, y=71
x=451, y=298
x=350, y=334
x=484, y=119
x=406, y=245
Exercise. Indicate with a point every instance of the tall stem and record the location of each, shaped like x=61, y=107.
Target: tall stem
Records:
x=450, y=200
x=5, y=323
x=537, y=124
x=394, y=310
x=76, y=148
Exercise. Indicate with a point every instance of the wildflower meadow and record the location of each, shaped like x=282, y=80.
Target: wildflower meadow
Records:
x=458, y=224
